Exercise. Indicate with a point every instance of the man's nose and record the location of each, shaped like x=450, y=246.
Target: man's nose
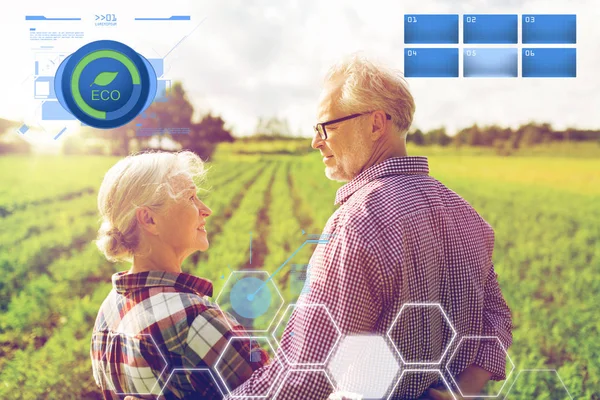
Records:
x=316, y=141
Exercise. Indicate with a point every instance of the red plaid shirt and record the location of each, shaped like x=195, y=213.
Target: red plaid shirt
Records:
x=157, y=333
x=399, y=236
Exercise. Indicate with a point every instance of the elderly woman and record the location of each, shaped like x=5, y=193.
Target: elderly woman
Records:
x=156, y=332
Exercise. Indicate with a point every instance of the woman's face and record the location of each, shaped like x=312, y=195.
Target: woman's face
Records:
x=183, y=224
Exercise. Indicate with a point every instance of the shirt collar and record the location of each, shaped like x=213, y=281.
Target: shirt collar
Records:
x=411, y=165
x=123, y=282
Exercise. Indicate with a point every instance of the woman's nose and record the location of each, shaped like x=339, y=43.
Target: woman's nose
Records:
x=205, y=211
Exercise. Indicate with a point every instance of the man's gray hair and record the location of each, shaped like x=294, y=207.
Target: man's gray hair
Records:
x=367, y=86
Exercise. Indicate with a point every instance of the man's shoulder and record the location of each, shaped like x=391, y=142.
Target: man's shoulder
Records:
x=394, y=199
x=389, y=198
x=401, y=190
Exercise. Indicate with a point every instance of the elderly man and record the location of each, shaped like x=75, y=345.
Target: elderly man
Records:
x=399, y=237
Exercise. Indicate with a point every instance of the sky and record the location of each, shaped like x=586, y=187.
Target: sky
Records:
x=245, y=59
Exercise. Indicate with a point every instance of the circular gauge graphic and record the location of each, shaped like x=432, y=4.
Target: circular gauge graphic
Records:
x=250, y=297
x=105, y=84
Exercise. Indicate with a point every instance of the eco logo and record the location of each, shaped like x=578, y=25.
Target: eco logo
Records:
x=105, y=84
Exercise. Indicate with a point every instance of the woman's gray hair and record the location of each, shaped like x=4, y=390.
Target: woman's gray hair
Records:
x=367, y=86
x=144, y=179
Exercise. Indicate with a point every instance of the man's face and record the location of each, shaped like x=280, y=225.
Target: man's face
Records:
x=346, y=149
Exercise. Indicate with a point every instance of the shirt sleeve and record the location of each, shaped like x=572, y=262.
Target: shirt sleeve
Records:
x=344, y=297
x=211, y=339
x=497, y=322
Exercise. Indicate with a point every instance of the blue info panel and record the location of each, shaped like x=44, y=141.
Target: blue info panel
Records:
x=490, y=28
x=431, y=63
x=549, y=28
x=549, y=63
x=490, y=63
x=430, y=28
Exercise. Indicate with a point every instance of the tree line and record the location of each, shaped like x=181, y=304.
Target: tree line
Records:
x=504, y=140
x=173, y=119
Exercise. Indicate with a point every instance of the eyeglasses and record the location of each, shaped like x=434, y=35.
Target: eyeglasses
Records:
x=320, y=127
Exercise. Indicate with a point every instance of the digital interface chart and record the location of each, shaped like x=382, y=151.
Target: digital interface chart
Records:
x=490, y=29
x=105, y=83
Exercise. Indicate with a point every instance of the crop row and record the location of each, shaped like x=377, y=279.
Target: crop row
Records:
x=285, y=238
x=232, y=247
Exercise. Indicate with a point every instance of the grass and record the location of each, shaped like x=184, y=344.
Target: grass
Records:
x=542, y=204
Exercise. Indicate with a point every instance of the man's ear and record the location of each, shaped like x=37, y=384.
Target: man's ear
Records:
x=378, y=125
x=146, y=220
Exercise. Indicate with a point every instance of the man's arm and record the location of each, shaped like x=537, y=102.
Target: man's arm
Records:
x=497, y=322
x=471, y=382
x=473, y=379
x=345, y=286
x=490, y=360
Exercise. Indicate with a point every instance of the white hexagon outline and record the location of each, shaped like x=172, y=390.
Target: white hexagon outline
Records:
x=322, y=364
x=425, y=305
x=538, y=370
x=189, y=369
x=233, y=328
x=275, y=358
x=400, y=366
x=480, y=337
x=303, y=370
x=109, y=383
x=422, y=370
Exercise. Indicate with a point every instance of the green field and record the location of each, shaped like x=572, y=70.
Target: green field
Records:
x=544, y=209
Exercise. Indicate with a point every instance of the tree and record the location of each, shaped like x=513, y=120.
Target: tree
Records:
x=437, y=136
x=162, y=118
x=177, y=111
x=12, y=143
x=18, y=146
x=5, y=124
x=493, y=135
x=204, y=136
x=474, y=136
x=273, y=126
x=532, y=135
x=417, y=137
x=515, y=139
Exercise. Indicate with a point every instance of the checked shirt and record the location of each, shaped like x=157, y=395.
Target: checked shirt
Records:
x=399, y=237
x=156, y=333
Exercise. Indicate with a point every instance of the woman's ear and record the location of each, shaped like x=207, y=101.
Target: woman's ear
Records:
x=146, y=220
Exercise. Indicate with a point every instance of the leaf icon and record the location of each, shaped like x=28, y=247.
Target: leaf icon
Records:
x=104, y=78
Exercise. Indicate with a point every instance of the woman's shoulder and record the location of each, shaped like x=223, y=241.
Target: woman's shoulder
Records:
x=201, y=326
x=180, y=307
x=151, y=310
x=202, y=311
